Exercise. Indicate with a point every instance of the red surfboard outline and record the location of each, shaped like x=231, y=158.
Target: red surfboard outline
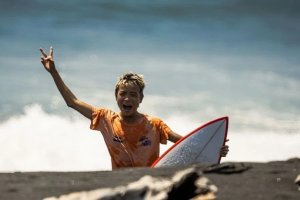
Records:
x=191, y=133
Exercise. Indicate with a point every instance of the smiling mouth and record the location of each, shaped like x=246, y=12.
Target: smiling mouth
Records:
x=127, y=107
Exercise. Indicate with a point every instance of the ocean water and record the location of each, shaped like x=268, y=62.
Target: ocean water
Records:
x=201, y=60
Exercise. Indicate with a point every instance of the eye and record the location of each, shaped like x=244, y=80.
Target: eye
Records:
x=134, y=94
x=122, y=93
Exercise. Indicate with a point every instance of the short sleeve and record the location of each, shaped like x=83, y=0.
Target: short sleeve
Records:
x=98, y=113
x=164, y=131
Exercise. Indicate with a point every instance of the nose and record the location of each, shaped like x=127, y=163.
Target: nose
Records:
x=126, y=97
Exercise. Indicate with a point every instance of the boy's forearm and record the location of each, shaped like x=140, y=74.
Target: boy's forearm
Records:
x=174, y=137
x=66, y=93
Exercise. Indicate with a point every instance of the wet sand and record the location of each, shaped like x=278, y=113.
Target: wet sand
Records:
x=247, y=181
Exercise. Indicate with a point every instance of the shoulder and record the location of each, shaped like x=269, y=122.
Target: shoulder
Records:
x=161, y=127
x=155, y=121
x=100, y=115
x=104, y=112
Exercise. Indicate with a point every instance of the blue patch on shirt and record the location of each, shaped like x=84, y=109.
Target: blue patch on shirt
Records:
x=145, y=141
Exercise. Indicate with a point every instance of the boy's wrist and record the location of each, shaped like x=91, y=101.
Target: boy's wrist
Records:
x=53, y=71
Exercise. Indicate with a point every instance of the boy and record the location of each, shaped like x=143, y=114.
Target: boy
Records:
x=132, y=138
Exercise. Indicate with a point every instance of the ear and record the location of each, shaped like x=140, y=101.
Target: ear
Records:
x=141, y=97
x=116, y=93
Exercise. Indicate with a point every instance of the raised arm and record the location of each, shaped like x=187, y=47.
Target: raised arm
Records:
x=70, y=99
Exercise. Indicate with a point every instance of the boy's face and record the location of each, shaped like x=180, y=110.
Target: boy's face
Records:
x=128, y=99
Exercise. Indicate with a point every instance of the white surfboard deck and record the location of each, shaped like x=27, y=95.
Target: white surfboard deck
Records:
x=201, y=146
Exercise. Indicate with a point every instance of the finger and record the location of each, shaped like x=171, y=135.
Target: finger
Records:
x=45, y=59
x=224, y=149
x=51, y=52
x=43, y=52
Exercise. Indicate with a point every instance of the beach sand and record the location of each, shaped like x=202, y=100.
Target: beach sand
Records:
x=247, y=181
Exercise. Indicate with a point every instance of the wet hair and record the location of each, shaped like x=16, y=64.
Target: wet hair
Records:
x=131, y=78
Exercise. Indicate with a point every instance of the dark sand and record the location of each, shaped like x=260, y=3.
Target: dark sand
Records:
x=273, y=180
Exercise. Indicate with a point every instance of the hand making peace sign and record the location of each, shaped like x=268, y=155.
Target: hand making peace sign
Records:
x=47, y=60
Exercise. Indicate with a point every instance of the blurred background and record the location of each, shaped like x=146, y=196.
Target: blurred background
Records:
x=201, y=60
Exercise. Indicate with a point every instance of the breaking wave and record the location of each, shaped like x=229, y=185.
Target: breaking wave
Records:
x=39, y=141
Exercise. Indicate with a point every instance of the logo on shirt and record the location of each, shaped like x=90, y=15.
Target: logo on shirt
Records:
x=117, y=139
x=145, y=141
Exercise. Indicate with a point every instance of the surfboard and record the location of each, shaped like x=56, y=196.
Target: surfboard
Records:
x=201, y=146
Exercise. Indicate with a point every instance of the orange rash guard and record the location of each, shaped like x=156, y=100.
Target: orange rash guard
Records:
x=130, y=145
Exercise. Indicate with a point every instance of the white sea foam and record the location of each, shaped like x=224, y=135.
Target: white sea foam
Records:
x=38, y=141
